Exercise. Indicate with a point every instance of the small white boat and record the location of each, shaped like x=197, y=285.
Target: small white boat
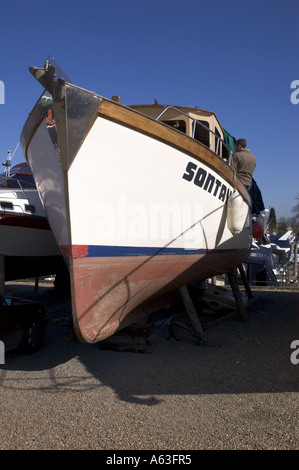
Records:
x=27, y=242
x=138, y=199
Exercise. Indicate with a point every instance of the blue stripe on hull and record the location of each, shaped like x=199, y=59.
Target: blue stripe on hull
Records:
x=119, y=251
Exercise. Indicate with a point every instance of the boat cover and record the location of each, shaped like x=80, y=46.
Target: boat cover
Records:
x=229, y=140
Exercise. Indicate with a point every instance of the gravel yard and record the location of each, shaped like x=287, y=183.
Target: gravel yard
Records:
x=240, y=391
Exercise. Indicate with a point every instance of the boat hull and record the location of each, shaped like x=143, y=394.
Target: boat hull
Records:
x=137, y=211
x=111, y=293
x=29, y=251
x=28, y=246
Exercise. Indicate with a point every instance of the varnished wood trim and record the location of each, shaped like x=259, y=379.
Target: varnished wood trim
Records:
x=141, y=123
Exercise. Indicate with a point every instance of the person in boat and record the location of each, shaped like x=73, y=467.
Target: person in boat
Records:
x=245, y=163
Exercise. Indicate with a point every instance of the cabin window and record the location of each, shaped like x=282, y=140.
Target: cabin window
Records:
x=6, y=205
x=202, y=134
x=178, y=124
x=30, y=208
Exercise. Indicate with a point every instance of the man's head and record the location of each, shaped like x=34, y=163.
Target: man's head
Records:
x=241, y=144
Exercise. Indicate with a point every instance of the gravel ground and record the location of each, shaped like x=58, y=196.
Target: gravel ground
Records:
x=240, y=391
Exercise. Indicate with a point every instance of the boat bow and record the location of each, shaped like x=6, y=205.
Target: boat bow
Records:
x=138, y=208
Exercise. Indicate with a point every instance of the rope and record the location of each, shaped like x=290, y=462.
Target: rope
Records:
x=15, y=149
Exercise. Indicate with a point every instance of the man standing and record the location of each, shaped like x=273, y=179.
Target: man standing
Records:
x=245, y=163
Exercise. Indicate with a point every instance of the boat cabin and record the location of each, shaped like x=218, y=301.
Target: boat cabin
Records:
x=196, y=123
x=18, y=192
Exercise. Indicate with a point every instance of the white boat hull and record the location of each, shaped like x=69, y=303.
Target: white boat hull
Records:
x=28, y=245
x=136, y=217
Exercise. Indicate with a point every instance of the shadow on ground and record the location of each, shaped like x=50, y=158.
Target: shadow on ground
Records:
x=241, y=357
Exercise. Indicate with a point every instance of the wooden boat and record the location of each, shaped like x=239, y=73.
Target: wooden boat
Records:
x=137, y=198
x=27, y=242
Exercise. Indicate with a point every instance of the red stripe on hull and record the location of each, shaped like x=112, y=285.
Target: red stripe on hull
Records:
x=111, y=293
x=74, y=251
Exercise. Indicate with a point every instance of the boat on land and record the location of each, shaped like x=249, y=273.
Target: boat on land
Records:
x=28, y=245
x=138, y=199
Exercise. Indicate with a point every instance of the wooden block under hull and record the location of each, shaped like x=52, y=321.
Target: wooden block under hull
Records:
x=135, y=338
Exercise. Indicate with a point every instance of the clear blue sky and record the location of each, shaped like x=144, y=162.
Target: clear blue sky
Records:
x=236, y=58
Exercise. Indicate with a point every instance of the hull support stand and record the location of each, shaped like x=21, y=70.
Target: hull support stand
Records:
x=245, y=282
x=193, y=316
x=232, y=277
x=241, y=306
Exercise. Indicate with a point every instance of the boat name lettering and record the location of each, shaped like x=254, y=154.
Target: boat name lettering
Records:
x=206, y=180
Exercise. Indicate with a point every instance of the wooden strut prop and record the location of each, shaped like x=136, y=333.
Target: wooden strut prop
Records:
x=241, y=307
x=237, y=294
x=245, y=282
x=193, y=316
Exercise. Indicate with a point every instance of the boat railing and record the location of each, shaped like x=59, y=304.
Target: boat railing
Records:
x=195, y=122
x=21, y=187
